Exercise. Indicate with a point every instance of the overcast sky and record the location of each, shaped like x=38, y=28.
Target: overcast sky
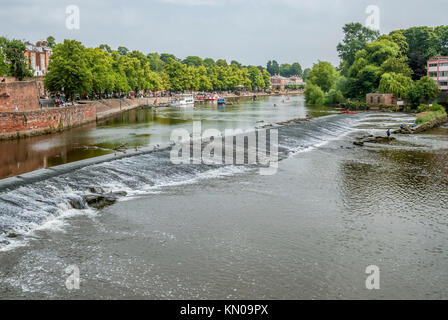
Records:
x=250, y=31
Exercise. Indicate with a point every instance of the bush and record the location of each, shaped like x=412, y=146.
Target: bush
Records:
x=356, y=105
x=422, y=108
x=437, y=107
x=314, y=94
x=334, y=97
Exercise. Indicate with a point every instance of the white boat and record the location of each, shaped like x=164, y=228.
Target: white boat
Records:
x=183, y=100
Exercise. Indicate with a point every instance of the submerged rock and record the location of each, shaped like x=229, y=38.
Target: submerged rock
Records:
x=379, y=139
x=99, y=201
x=77, y=203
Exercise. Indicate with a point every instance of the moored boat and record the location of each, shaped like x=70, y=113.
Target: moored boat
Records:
x=183, y=100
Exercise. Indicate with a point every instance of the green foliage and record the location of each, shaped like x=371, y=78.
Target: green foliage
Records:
x=12, y=60
x=323, y=74
x=430, y=116
x=395, y=83
x=305, y=73
x=356, y=105
x=123, y=51
x=285, y=70
x=424, y=90
x=68, y=70
x=51, y=42
x=273, y=67
x=105, y=47
x=356, y=36
x=314, y=94
x=334, y=96
x=396, y=65
x=436, y=107
x=192, y=61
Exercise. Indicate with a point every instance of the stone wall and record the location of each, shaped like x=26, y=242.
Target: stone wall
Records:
x=28, y=123
x=23, y=94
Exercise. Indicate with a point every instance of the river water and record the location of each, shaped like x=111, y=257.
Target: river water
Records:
x=223, y=232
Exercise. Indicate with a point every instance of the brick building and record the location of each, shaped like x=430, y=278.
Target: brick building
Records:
x=438, y=71
x=38, y=57
x=280, y=82
x=387, y=99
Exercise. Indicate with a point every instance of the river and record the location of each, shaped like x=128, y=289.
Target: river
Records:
x=226, y=232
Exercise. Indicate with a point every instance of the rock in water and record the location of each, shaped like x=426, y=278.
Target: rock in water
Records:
x=12, y=235
x=99, y=201
x=358, y=143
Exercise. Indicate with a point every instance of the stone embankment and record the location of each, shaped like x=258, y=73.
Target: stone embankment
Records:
x=423, y=127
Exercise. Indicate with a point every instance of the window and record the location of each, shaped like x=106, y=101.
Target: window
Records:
x=445, y=64
x=443, y=83
x=33, y=61
x=379, y=99
x=371, y=99
x=443, y=74
x=433, y=64
x=433, y=74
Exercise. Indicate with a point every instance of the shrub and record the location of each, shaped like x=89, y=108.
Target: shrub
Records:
x=357, y=105
x=436, y=107
x=422, y=108
x=314, y=94
x=334, y=97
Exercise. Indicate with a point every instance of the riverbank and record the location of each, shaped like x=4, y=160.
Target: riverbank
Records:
x=18, y=125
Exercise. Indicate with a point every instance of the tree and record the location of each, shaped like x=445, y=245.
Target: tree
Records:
x=323, y=74
x=192, y=61
x=14, y=53
x=356, y=36
x=123, y=51
x=4, y=66
x=51, y=41
x=236, y=63
x=314, y=94
x=105, y=47
x=395, y=83
x=428, y=89
x=221, y=63
x=296, y=69
x=273, y=67
x=305, y=73
x=167, y=58
x=68, y=70
x=155, y=62
x=100, y=63
x=396, y=65
x=208, y=62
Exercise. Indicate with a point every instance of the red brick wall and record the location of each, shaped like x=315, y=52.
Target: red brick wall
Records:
x=33, y=122
x=23, y=94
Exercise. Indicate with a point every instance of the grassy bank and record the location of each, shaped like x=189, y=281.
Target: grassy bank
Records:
x=428, y=114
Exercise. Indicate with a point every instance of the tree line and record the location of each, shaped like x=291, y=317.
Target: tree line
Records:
x=370, y=62
x=75, y=69
x=284, y=69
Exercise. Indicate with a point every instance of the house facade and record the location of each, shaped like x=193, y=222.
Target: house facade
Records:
x=38, y=57
x=280, y=82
